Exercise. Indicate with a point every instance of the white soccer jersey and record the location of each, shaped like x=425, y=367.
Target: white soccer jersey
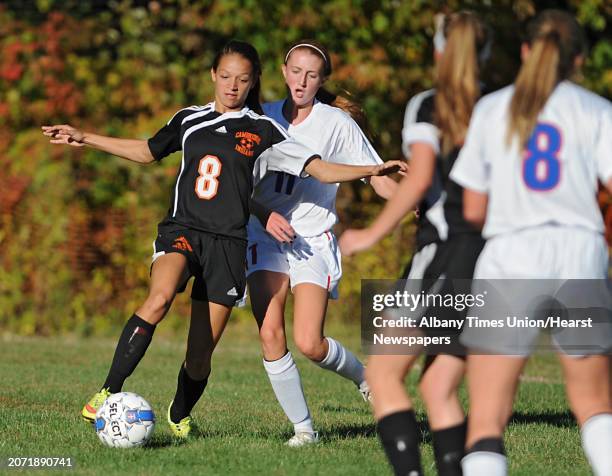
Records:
x=309, y=205
x=554, y=180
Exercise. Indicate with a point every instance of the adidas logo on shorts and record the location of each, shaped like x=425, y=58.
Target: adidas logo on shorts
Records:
x=232, y=292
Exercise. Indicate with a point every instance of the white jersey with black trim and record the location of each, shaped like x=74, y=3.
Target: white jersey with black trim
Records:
x=553, y=181
x=309, y=205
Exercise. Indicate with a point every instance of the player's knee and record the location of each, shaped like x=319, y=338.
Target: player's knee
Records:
x=313, y=349
x=158, y=302
x=272, y=336
x=436, y=391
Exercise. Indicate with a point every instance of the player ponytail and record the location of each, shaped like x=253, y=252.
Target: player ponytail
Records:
x=344, y=101
x=466, y=44
x=248, y=52
x=555, y=40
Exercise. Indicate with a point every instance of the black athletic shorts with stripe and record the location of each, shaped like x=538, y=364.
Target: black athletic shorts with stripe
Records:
x=217, y=262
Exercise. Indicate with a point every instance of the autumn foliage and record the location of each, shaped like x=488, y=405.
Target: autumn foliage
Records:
x=76, y=225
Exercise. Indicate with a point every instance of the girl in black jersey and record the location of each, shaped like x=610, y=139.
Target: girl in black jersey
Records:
x=441, y=123
x=226, y=147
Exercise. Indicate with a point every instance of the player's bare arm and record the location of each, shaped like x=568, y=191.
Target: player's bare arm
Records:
x=328, y=172
x=135, y=150
x=475, y=207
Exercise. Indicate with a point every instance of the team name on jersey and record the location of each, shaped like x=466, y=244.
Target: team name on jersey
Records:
x=247, y=142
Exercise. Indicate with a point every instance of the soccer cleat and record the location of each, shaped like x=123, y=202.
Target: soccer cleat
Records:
x=182, y=428
x=91, y=407
x=364, y=389
x=303, y=438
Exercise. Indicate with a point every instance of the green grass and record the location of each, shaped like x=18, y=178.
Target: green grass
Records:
x=45, y=381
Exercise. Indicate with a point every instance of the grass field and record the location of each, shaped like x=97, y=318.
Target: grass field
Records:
x=45, y=381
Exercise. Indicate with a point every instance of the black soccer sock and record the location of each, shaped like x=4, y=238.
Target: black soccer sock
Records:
x=400, y=438
x=132, y=345
x=188, y=392
x=448, y=445
x=488, y=445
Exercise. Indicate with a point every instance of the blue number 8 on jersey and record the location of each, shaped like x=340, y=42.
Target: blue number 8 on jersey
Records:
x=541, y=166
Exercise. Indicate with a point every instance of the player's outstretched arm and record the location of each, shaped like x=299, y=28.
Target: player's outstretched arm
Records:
x=410, y=191
x=135, y=150
x=328, y=172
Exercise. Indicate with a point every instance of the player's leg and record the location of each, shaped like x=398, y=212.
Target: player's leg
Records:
x=492, y=383
x=208, y=321
x=167, y=273
x=394, y=413
x=310, y=306
x=588, y=393
x=268, y=291
x=440, y=380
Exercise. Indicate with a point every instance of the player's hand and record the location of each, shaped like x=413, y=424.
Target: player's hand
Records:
x=280, y=228
x=353, y=241
x=391, y=167
x=64, y=134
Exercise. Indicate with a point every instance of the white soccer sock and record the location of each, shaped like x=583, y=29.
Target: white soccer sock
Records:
x=484, y=463
x=287, y=385
x=342, y=361
x=597, y=443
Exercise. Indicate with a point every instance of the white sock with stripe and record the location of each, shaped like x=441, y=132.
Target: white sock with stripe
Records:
x=342, y=361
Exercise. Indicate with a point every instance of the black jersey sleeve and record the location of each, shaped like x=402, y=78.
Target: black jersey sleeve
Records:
x=259, y=211
x=168, y=139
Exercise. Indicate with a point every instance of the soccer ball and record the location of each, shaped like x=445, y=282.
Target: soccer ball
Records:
x=125, y=420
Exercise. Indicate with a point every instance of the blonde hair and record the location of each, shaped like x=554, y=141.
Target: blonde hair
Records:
x=555, y=39
x=457, y=84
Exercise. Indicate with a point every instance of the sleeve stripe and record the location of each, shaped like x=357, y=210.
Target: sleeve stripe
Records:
x=191, y=117
x=190, y=108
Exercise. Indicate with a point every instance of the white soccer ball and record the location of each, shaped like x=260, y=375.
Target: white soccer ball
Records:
x=125, y=420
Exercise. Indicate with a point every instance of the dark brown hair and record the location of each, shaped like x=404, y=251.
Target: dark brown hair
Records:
x=248, y=52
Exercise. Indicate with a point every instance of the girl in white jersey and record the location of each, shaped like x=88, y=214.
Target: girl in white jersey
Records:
x=530, y=164
x=310, y=265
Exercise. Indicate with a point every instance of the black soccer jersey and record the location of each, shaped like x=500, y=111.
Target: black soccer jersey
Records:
x=223, y=154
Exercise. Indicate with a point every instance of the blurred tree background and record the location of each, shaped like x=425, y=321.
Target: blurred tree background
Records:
x=76, y=225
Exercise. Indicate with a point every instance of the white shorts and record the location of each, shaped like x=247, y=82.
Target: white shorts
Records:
x=315, y=260
x=545, y=252
x=519, y=270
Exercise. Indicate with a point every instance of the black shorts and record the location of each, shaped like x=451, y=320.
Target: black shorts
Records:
x=451, y=272
x=216, y=262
